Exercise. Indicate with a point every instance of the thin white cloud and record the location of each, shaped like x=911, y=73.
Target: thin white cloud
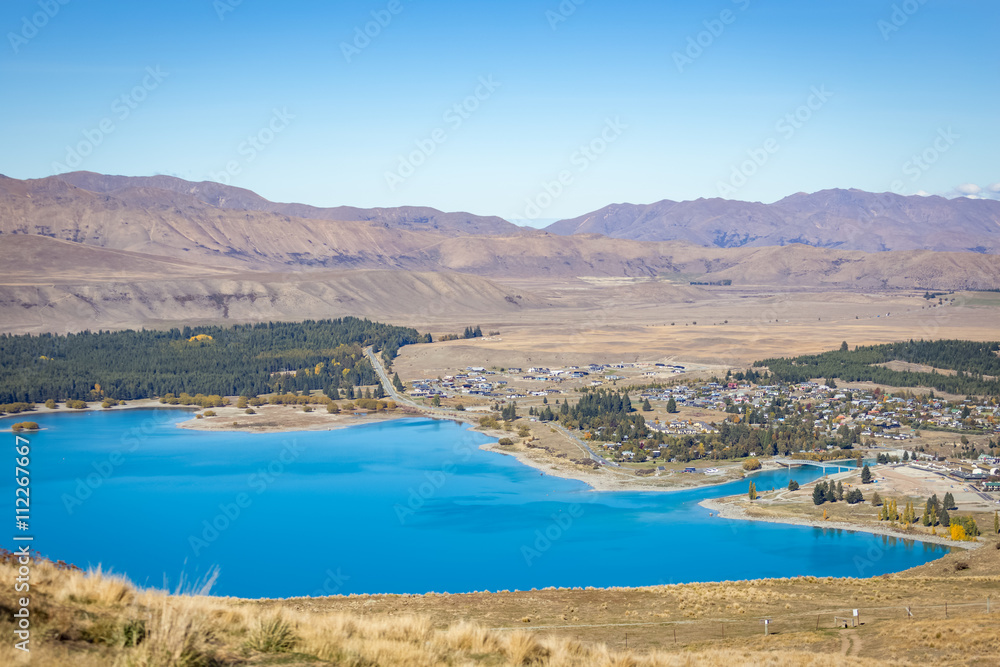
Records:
x=968, y=189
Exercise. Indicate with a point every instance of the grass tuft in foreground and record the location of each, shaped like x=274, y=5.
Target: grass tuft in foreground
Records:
x=91, y=619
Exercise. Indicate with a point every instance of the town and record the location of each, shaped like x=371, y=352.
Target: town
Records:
x=690, y=415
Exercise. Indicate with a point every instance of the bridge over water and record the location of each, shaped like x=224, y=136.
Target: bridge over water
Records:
x=842, y=465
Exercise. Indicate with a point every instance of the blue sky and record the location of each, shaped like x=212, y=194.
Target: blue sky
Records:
x=523, y=109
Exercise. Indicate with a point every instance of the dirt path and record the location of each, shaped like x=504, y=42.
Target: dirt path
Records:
x=850, y=643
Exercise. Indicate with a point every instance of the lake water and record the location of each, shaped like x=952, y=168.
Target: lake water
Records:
x=405, y=506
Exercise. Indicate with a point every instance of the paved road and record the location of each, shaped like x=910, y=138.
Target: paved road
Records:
x=403, y=399
x=584, y=446
x=386, y=380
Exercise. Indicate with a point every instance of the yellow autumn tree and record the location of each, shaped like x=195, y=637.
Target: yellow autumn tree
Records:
x=958, y=532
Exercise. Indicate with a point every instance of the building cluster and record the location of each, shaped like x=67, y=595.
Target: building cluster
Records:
x=877, y=414
x=496, y=383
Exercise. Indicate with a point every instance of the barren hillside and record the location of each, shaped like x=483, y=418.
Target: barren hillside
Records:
x=145, y=254
x=841, y=219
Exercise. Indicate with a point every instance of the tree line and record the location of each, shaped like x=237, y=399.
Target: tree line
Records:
x=976, y=364
x=605, y=411
x=248, y=359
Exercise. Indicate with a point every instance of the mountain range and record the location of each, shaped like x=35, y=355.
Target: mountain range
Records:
x=839, y=219
x=234, y=229
x=156, y=191
x=86, y=249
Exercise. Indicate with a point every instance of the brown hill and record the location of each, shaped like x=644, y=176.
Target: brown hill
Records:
x=115, y=289
x=841, y=219
x=185, y=231
x=157, y=189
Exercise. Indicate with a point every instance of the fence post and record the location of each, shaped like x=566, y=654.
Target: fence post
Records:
x=946, y=610
x=675, y=634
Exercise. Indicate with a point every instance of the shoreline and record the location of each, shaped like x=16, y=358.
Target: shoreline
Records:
x=598, y=480
x=137, y=404
x=729, y=511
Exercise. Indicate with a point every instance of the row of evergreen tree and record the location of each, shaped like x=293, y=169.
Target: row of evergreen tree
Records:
x=248, y=360
x=609, y=412
x=977, y=365
x=828, y=492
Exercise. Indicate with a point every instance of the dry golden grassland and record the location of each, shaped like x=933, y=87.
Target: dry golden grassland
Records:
x=91, y=619
x=716, y=328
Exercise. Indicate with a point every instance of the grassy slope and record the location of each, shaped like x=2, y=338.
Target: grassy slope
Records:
x=90, y=620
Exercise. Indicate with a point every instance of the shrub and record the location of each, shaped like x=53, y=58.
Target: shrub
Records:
x=50, y=404
x=24, y=426
x=210, y=413
x=752, y=463
x=969, y=526
x=123, y=634
x=250, y=411
x=961, y=565
x=176, y=634
x=14, y=408
x=793, y=485
x=271, y=634
x=505, y=442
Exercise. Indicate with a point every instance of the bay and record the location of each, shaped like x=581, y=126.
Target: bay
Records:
x=400, y=506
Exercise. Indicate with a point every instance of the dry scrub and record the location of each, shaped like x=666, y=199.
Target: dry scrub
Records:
x=96, y=618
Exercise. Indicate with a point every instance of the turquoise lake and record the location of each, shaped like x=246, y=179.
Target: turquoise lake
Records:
x=404, y=506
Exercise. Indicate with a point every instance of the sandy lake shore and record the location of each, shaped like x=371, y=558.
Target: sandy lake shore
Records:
x=728, y=510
